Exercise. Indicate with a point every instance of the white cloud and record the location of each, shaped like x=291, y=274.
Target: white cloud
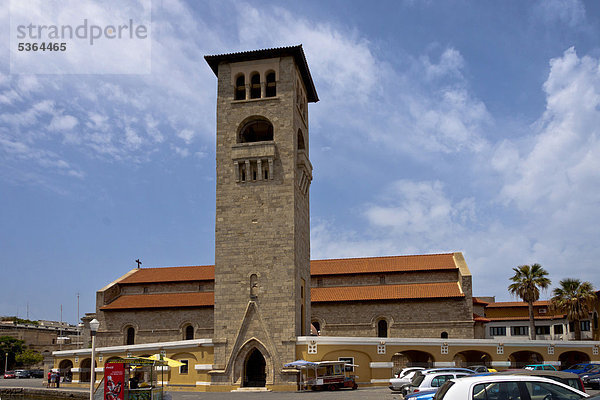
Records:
x=187, y=135
x=63, y=123
x=563, y=164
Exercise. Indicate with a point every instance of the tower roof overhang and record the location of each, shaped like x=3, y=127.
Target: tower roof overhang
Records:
x=291, y=51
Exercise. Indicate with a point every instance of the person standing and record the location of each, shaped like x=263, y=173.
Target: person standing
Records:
x=57, y=378
x=49, y=377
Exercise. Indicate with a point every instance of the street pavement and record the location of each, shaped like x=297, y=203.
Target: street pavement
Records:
x=371, y=393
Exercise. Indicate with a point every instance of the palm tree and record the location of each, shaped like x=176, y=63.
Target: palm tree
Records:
x=575, y=299
x=527, y=282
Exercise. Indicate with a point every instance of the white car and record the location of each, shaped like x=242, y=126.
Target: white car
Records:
x=431, y=381
x=404, y=377
x=507, y=387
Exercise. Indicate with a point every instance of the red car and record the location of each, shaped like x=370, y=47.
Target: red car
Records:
x=9, y=375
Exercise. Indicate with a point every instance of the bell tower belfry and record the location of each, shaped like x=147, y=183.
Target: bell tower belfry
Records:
x=262, y=227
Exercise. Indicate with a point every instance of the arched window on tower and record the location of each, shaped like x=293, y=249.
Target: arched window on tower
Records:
x=300, y=140
x=130, y=336
x=382, y=328
x=189, y=332
x=256, y=131
x=240, y=88
x=271, y=90
x=255, y=86
x=444, y=335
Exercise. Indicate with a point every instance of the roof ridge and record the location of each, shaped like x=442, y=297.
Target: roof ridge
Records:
x=378, y=257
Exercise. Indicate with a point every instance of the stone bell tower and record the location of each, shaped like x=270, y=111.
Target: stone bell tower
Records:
x=262, y=234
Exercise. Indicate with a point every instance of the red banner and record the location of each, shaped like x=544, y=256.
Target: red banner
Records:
x=114, y=381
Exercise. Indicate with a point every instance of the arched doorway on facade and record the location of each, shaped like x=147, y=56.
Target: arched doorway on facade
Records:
x=412, y=358
x=470, y=358
x=65, y=370
x=519, y=359
x=569, y=358
x=255, y=373
x=85, y=369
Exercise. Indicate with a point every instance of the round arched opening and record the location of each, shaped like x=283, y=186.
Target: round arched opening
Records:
x=256, y=131
x=189, y=332
x=472, y=358
x=520, y=359
x=412, y=358
x=569, y=358
x=255, y=374
x=382, y=328
x=65, y=370
x=85, y=368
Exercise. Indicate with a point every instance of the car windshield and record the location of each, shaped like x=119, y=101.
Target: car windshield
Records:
x=577, y=366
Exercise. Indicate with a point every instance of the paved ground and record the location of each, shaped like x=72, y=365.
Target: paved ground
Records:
x=379, y=393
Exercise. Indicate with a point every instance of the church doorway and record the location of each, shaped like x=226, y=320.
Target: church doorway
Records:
x=255, y=374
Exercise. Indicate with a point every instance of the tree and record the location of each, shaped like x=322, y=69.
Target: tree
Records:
x=11, y=346
x=575, y=299
x=29, y=357
x=527, y=282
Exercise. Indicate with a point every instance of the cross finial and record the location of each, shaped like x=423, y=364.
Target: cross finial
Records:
x=138, y=262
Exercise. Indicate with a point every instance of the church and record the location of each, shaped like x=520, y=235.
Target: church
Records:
x=264, y=302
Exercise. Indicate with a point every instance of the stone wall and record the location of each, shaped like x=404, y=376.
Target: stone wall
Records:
x=157, y=325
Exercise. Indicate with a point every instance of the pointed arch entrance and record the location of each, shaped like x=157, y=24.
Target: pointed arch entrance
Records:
x=255, y=371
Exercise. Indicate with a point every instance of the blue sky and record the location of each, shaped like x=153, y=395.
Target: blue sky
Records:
x=443, y=126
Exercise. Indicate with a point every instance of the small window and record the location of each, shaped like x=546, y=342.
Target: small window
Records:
x=240, y=88
x=255, y=86
x=542, y=330
x=497, y=390
x=571, y=326
x=497, y=331
x=317, y=325
x=382, y=328
x=519, y=330
x=146, y=290
x=271, y=90
x=558, y=329
x=585, y=326
x=183, y=369
x=444, y=335
x=189, y=332
x=595, y=321
x=130, y=336
x=300, y=140
x=348, y=360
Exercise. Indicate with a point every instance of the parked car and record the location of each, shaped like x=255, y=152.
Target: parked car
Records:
x=482, y=369
x=592, y=381
x=581, y=368
x=432, y=380
x=500, y=386
x=22, y=374
x=36, y=373
x=9, y=375
x=403, y=377
x=568, y=378
x=424, y=395
x=537, y=367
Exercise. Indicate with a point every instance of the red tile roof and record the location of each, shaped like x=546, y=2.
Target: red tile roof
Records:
x=428, y=262
x=385, y=292
x=171, y=274
x=161, y=300
x=506, y=304
x=477, y=300
x=525, y=318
